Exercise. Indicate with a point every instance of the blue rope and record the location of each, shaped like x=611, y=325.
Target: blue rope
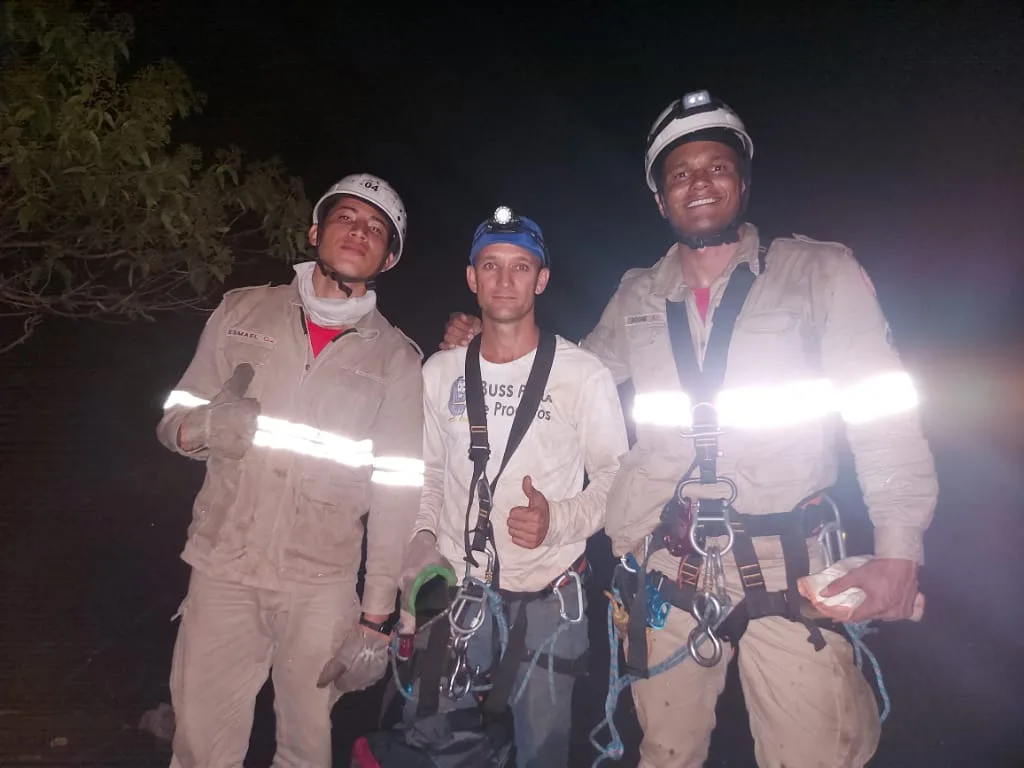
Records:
x=547, y=646
x=616, y=684
x=857, y=632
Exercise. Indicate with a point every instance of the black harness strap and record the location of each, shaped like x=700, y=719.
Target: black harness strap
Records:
x=702, y=383
x=479, y=447
x=431, y=670
x=793, y=529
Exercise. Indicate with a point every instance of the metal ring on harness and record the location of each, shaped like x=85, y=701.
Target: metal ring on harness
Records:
x=698, y=521
x=575, y=578
x=712, y=610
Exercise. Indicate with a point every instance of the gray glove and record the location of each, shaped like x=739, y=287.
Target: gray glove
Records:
x=227, y=424
x=421, y=564
x=360, y=661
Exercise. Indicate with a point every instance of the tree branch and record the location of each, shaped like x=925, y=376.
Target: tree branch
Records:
x=27, y=328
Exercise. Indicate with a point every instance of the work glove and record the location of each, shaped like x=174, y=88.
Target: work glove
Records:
x=359, y=662
x=422, y=563
x=227, y=424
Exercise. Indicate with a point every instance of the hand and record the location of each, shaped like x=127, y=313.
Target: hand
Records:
x=228, y=423
x=529, y=525
x=460, y=330
x=890, y=588
x=422, y=563
x=360, y=661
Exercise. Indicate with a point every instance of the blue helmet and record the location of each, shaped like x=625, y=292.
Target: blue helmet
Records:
x=506, y=227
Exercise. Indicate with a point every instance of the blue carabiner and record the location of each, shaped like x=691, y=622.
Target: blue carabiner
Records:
x=657, y=608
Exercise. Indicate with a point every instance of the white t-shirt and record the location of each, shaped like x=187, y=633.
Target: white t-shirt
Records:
x=578, y=428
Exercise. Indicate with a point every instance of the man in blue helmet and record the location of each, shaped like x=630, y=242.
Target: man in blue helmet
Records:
x=744, y=361
x=512, y=423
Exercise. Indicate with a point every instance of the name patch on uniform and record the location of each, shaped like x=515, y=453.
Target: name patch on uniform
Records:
x=247, y=335
x=651, y=319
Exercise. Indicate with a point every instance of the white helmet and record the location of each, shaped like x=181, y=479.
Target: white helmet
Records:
x=696, y=111
x=377, y=192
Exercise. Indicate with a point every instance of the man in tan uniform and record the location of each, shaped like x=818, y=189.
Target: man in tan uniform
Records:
x=737, y=402
x=306, y=405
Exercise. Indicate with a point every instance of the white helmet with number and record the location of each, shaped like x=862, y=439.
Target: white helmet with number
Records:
x=376, y=192
x=696, y=111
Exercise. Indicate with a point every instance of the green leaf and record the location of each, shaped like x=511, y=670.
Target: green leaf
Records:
x=24, y=114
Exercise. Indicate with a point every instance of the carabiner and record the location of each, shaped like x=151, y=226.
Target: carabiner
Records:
x=575, y=578
x=460, y=681
x=625, y=560
x=832, y=537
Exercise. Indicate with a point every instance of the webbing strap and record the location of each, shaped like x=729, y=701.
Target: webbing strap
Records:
x=431, y=670
x=702, y=383
x=479, y=447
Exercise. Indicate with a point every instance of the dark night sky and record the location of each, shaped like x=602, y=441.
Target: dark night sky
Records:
x=893, y=127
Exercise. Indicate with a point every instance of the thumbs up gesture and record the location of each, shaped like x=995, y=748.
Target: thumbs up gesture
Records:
x=529, y=525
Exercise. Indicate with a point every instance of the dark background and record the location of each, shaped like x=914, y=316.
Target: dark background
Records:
x=894, y=128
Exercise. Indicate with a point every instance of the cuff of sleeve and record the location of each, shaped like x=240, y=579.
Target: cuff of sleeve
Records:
x=900, y=542
x=556, y=515
x=423, y=529
x=379, y=599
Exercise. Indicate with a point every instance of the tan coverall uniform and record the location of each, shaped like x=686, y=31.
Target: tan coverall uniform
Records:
x=275, y=540
x=813, y=314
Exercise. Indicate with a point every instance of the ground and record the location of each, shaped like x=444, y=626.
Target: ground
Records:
x=95, y=513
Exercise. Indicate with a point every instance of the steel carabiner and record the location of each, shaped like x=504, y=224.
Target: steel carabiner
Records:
x=575, y=578
x=460, y=681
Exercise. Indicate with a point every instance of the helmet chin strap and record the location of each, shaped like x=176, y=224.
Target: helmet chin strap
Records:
x=341, y=279
x=730, y=234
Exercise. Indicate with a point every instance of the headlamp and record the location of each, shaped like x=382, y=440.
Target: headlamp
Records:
x=696, y=99
x=504, y=220
x=691, y=103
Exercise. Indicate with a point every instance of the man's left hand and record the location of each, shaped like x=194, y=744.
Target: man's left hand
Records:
x=529, y=525
x=890, y=587
x=360, y=661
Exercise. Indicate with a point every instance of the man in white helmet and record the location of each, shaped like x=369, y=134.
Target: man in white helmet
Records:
x=306, y=405
x=744, y=361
